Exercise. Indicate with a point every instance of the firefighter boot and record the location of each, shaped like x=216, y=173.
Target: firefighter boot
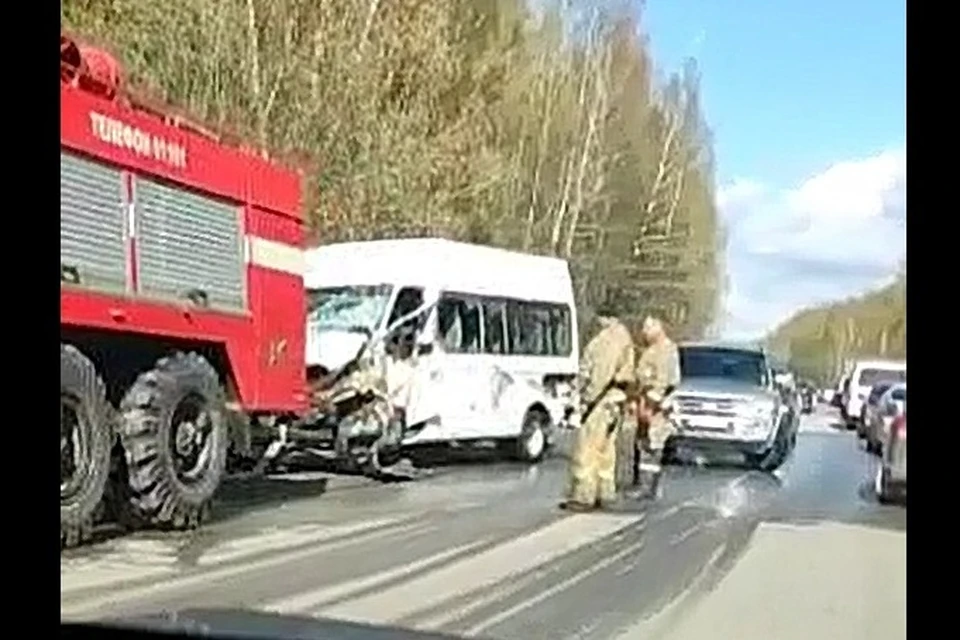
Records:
x=650, y=472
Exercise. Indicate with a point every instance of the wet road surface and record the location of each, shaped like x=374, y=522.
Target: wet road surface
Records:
x=478, y=550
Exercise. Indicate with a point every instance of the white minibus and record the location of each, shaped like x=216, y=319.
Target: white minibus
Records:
x=496, y=354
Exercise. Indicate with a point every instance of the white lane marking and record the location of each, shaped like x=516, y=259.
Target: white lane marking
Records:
x=514, y=586
x=141, y=548
x=683, y=535
x=675, y=509
x=160, y=558
x=278, y=538
x=555, y=589
x=94, y=604
x=484, y=570
x=475, y=604
x=305, y=602
x=105, y=574
x=121, y=561
x=654, y=625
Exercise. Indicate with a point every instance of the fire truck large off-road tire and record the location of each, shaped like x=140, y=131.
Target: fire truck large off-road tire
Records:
x=174, y=434
x=86, y=437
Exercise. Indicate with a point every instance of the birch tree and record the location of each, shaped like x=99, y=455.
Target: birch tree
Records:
x=484, y=121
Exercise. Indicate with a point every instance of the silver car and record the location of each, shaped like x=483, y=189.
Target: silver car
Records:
x=891, y=479
x=728, y=402
x=870, y=407
x=891, y=403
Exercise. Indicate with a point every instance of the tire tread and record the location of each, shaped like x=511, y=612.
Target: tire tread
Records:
x=155, y=497
x=78, y=375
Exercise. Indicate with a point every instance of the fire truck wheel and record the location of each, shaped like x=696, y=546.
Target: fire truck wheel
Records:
x=175, y=436
x=85, y=441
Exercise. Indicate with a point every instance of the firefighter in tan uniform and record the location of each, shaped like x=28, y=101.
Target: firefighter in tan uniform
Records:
x=606, y=374
x=658, y=374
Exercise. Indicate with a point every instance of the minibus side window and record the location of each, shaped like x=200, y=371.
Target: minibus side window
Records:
x=529, y=328
x=560, y=330
x=494, y=339
x=459, y=324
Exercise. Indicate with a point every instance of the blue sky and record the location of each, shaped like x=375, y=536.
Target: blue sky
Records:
x=807, y=100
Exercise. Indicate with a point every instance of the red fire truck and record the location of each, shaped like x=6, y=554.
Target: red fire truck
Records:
x=181, y=297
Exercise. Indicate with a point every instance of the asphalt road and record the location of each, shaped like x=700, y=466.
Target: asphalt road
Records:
x=482, y=550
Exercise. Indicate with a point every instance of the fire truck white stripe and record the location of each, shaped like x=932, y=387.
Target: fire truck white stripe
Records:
x=277, y=256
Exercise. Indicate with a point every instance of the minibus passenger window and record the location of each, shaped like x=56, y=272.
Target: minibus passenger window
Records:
x=493, y=319
x=560, y=330
x=536, y=329
x=451, y=331
x=459, y=325
x=529, y=328
x=470, y=316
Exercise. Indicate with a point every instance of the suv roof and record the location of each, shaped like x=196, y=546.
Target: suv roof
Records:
x=732, y=346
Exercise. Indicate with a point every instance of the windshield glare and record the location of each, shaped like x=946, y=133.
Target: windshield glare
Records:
x=706, y=362
x=348, y=308
x=873, y=377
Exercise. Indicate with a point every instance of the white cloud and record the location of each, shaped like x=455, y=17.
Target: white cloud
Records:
x=836, y=234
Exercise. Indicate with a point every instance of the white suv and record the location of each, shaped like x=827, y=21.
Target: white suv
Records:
x=865, y=374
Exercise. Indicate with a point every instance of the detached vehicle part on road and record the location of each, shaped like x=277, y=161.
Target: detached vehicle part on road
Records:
x=727, y=402
x=891, y=479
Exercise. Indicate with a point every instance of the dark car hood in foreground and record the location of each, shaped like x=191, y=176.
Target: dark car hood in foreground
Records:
x=217, y=623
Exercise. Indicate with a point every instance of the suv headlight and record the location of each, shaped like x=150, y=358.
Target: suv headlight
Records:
x=761, y=415
x=761, y=410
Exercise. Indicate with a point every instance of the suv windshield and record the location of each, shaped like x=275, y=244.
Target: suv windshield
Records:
x=873, y=377
x=348, y=308
x=718, y=362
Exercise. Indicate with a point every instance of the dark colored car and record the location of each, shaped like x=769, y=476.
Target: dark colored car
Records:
x=870, y=406
x=842, y=390
x=807, y=395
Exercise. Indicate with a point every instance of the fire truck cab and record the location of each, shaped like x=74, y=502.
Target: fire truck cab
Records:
x=182, y=303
